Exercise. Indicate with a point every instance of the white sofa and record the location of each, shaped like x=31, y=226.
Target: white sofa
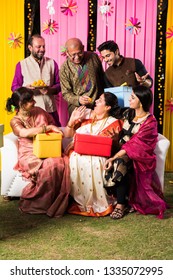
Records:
x=12, y=182
x=161, y=152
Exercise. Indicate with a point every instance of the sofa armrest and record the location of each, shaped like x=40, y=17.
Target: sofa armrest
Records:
x=161, y=150
x=12, y=182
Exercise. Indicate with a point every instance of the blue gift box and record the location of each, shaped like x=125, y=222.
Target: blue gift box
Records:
x=123, y=93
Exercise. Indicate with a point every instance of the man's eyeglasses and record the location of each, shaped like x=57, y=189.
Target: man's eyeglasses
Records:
x=75, y=54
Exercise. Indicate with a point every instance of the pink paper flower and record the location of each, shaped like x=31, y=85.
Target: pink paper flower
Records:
x=169, y=105
x=63, y=50
x=69, y=7
x=50, y=26
x=15, y=40
x=133, y=26
x=169, y=33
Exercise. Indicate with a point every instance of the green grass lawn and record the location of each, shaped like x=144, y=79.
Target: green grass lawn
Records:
x=38, y=237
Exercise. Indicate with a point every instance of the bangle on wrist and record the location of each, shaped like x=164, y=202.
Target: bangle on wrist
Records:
x=143, y=81
x=70, y=126
x=147, y=83
x=44, y=129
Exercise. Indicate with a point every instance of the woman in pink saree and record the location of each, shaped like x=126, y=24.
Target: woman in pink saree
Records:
x=138, y=141
x=49, y=187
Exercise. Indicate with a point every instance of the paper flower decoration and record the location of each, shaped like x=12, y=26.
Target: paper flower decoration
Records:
x=69, y=8
x=50, y=7
x=169, y=105
x=133, y=26
x=106, y=8
x=63, y=50
x=15, y=40
x=50, y=26
x=169, y=34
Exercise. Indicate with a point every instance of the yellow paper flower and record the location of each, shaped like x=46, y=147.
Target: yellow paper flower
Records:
x=15, y=40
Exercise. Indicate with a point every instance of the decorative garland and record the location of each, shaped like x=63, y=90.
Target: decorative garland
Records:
x=160, y=63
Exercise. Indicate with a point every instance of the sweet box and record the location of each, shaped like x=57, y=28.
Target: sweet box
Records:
x=96, y=145
x=47, y=145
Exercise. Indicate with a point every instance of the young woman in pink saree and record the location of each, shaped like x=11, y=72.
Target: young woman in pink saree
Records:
x=49, y=187
x=90, y=198
x=138, y=141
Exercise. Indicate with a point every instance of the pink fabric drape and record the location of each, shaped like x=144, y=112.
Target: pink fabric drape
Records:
x=141, y=46
x=69, y=26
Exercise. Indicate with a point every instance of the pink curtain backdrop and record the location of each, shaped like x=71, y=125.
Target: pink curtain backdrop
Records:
x=141, y=46
x=69, y=26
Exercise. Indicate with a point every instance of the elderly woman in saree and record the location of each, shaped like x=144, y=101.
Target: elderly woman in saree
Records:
x=49, y=187
x=136, y=160
x=89, y=196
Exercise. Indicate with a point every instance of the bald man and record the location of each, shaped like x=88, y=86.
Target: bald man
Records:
x=81, y=76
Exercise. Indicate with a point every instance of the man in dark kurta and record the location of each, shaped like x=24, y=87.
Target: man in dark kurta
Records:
x=123, y=70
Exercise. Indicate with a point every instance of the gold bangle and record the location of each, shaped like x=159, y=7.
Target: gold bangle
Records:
x=44, y=129
x=70, y=126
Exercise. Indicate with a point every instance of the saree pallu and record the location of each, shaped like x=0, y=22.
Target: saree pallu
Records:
x=49, y=193
x=146, y=196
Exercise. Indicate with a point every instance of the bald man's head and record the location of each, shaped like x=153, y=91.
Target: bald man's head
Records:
x=73, y=43
x=75, y=50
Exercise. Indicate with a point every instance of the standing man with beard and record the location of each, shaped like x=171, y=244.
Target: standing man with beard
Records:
x=123, y=70
x=38, y=67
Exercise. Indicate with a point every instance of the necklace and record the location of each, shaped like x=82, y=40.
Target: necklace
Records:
x=26, y=119
x=104, y=120
x=24, y=113
x=140, y=117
